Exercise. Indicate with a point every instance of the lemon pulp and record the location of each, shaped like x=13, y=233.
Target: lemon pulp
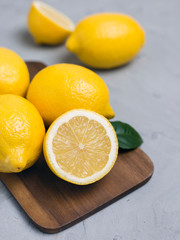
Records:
x=55, y=16
x=81, y=147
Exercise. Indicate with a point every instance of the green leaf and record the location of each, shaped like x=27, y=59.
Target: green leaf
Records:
x=128, y=137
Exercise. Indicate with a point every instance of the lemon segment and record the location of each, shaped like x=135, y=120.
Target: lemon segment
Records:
x=14, y=75
x=81, y=146
x=106, y=40
x=47, y=25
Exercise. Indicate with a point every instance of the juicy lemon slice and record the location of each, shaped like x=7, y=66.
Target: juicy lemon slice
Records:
x=81, y=146
x=47, y=25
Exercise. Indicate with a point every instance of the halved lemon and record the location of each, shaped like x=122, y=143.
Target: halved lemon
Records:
x=81, y=146
x=47, y=25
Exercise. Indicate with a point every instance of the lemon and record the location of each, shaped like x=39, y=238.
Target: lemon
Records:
x=106, y=40
x=14, y=75
x=63, y=87
x=81, y=146
x=21, y=133
x=47, y=25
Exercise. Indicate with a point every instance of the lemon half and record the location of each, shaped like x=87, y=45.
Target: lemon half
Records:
x=47, y=25
x=81, y=146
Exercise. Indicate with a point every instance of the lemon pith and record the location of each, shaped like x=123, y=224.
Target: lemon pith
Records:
x=81, y=146
x=47, y=25
x=62, y=87
x=106, y=40
x=21, y=133
x=14, y=75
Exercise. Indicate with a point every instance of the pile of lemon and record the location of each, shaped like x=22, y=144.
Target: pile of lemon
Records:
x=80, y=145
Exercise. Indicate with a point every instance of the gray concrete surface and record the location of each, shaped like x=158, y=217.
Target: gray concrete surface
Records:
x=145, y=93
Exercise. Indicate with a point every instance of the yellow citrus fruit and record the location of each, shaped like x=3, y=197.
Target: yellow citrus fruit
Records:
x=63, y=87
x=81, y=146
x=47, y=25
x=14, y=75
x=21, y=133
x=106, y=40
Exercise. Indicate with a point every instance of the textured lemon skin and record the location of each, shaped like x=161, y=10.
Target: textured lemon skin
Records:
x=62, y=87
x=43, y=30
x=48, y=157
x=21, y=133
x=14, y=75
x=106, y=40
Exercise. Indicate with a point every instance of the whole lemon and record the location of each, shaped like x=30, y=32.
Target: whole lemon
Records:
x=62, y=87
x=47, y=25
x=106, y=40
x=14, y=75
x=21, y=133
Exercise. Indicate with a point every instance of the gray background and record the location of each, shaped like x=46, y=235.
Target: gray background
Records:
x=145, y=93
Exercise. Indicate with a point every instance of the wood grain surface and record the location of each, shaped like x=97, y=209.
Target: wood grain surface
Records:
x=53, y=204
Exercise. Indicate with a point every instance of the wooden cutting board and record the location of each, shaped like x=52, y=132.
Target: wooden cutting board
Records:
x=53, y=204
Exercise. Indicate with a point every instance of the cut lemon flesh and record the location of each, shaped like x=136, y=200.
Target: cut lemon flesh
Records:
x=53, y=15
x=81, y=146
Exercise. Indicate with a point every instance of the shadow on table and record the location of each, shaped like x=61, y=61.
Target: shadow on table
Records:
x=24, y=37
